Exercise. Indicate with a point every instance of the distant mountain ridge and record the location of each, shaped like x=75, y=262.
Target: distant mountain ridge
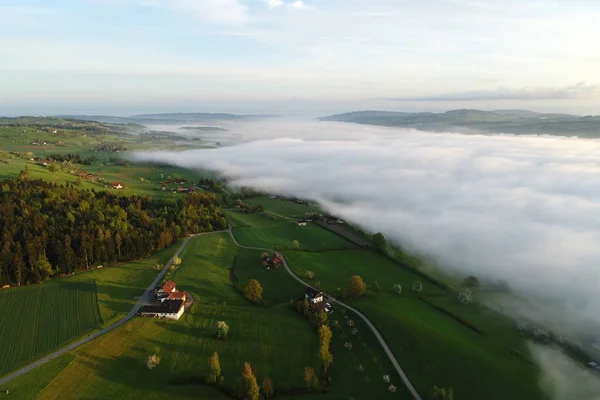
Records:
x=478, y=121
x=165, y=118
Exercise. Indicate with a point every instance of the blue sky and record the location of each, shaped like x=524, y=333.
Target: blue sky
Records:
x=297, y=56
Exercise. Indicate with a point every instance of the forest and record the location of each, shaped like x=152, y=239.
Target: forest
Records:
x=50, y=229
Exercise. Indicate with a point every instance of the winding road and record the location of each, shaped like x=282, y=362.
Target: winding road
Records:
x=387, y=350
x=146, y=296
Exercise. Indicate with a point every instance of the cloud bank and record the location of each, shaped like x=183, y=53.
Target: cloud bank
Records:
x=525, y=209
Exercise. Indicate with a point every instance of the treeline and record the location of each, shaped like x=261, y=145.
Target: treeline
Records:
x=51, y=230
x=74, y=158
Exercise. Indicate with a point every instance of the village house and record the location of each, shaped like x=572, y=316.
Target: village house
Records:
x=168, y=287
x=274, y=260
x=117, y=185
x=316, y=299
x=301, y=222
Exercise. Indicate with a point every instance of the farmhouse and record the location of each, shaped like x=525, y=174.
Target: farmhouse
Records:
x=167, y=309
x=301, y=222
x=274, y=259
x=117, y=185
x=176, y=296
x=313, y=296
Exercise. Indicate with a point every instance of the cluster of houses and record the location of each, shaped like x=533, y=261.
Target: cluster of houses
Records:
x=167, y=302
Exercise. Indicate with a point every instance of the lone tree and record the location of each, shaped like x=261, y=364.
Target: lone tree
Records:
x=152, y=361
x=397, y=288
x=417, y=286
x=309, y=376
x=267, y=387
x=251, y=388
x=324, y=342
x=296, y=244
x=214, y=368
x=222, y=329
x=464, y=296
x=379, y=242
x=470, y=282
x=357, y=286
x=253, y=291
x=176, y=260
x=52, y=168
x=441, y=394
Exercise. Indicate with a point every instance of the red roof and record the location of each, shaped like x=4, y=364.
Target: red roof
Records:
x=169, y=286
x=176, y=296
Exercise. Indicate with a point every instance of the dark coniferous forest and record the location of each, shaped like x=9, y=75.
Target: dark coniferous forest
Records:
x=47, y=229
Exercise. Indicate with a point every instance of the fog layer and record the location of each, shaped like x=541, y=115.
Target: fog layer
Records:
x=521, y=208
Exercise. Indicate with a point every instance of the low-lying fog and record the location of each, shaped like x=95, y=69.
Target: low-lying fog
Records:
x=525, y=209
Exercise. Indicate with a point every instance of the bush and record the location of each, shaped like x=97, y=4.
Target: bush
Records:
x=253, y=291
x=397, y=288
x=356, y=286
x=152, y=361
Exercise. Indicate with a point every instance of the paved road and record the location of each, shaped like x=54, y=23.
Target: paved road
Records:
x=143, y=299
x=387, y=350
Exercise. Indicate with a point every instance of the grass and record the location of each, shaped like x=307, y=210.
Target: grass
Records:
x=432, y=347
x=334, y=269
x=113, y=366
x=283, y=207
x=269, y=231
x=26, y=387
x=35, y=320
x=278, y=286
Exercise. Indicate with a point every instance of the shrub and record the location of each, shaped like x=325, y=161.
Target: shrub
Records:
x=309, y=274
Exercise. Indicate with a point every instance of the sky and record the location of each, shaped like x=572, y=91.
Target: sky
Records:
x=302, y=57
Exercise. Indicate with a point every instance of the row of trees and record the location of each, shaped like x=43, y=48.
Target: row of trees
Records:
x=51, y=230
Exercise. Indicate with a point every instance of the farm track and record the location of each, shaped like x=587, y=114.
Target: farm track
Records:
x=146, y=296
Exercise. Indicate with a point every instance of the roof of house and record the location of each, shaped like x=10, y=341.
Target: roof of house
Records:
x=313, y=292
x=176, y=295
x=169, y=286
x=166, y=307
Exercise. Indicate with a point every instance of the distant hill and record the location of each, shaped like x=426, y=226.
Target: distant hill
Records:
x=166, y=118
x=477, y=121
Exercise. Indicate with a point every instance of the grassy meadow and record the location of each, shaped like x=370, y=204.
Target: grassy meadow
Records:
x=283, y=207
x=34, y=320
x=273, y=232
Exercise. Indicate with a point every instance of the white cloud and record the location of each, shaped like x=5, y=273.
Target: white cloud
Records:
x=274, y=3
x=523, y=209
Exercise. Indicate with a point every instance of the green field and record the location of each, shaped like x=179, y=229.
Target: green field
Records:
x=433, y=348
x=273, y=232
x=283, y=207
x=113, y=366
x=35, y=320
x=278, y=286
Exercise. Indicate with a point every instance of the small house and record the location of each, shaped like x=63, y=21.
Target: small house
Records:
x=301, y=222
x=275, y=259
x=176, y=296
x=168, y=287
x=313, y=296
x=117, y=185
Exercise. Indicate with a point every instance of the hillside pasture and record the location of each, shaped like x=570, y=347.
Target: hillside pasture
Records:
x=283, y=207
x=258, y=230
x=278, y=286
x=113, y=366
x=35, y=320
x=433, y=347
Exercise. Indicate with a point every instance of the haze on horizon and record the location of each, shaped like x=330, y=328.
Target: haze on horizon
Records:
x=302, y=57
